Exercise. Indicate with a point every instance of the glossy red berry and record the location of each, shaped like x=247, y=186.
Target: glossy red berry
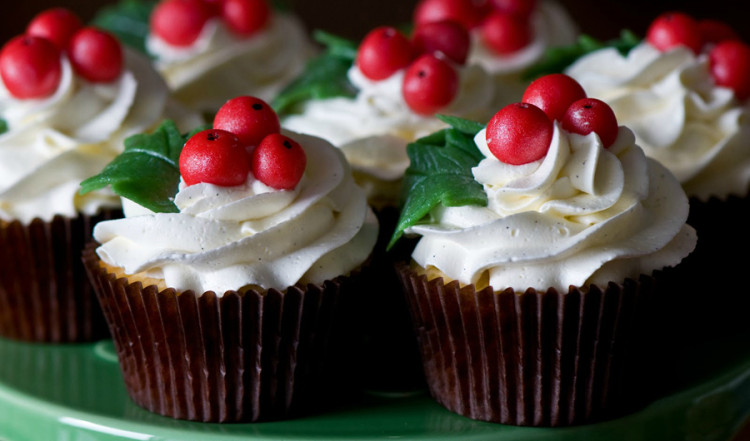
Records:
x=56, y=25
x=673, y=29
x=716, y=31
x=96, y=55
x=214, y=7
x=592, y=115
x=522, y=8
x=30, y=67
x=448, y=37
x=729, y=64
x=465, y=12
x=250, y=119
x=214, y=157
x=279, y=162
x=383, y=51
x=430, y=84
x=245, y=17
x=180, y=22
x=553, y=94
x=519, y=133
x=506, y=33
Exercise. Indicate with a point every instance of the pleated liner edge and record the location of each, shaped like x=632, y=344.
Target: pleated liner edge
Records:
x=531, y=359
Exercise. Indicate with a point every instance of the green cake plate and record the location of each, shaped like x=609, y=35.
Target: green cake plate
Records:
x=76, y=393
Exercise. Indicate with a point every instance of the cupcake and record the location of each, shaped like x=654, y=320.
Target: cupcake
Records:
x=541, y=240
x=507, y=37
x=373, y=99
x=210, y=51
x=370, y=100
x=683, y=90
x=233, y=258
x=69, y=95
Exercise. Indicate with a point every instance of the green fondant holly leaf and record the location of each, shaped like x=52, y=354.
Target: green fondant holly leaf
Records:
x=440, y=173
x=128, y=20
x=557, y=59
x=3, y=126
x=325, y=76
x=147, y=172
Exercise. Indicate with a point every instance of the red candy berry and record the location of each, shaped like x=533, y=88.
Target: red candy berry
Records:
x=30, y=67
x=180, y=22
x=250, y=119
x=430, y=83
x=715, y=31
x=279, y=162
x=448, y=37
x=592, y=115
x=519, y=133
x=215, y=157
x=673, y=29
x=553, y=94
x=245, y=17
x=96, y=55
x=56, y=25
x=383, y=51
x=523, y=8
x=729, y=64
x=506, y=33
x=465, y=12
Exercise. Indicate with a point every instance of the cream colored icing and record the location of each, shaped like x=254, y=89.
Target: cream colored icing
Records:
x=220, y=66
x=581, y=215
x=374, y=127
x=54, y=143
x=224, y=238
x=552, y=26
x=698, y=130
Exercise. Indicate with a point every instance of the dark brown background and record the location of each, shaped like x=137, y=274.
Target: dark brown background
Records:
x=352, y=18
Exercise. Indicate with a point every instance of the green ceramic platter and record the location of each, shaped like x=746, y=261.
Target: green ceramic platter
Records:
x=75, y=393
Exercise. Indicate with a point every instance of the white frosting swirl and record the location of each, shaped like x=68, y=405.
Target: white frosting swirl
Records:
x=220, y=65
x=374, y=127
x=227, y=237
x=581, y=215
x=551, y=26
x=54, y=143
x=680, y=117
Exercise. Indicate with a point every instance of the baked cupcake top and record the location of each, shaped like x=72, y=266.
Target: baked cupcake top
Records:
x=249, y=207
x=209, y=52
x=685, y=100
x=69, y=120
x=545, y=202
x=388, y=89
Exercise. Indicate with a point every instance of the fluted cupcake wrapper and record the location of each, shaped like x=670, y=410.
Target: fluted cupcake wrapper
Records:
x=531, y=359
x=244, y=356
x=45, y=295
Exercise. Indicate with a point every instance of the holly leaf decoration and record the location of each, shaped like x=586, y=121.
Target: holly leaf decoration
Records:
x=3, y=126
x=147, y=172
x=128, y=20
x=325, y=76
x=440, y=173
x=557, y=59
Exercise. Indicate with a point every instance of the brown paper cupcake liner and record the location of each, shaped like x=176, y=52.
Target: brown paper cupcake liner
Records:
x=531, y=359
x=45, y=295
x=244, y=356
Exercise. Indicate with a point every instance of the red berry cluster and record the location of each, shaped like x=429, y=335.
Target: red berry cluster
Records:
x=729, y=57
x=431, y=80
x=180, y=22
x=30, y=64
x=521, y=132
x=503, y=25
x=245, y=138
